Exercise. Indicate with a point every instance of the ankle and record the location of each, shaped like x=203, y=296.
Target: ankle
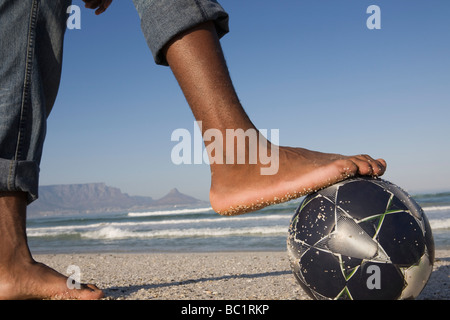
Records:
x=14, y=246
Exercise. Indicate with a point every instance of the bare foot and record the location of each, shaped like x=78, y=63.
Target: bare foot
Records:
x=20, y=276
x=237, y=189
x=37, y=281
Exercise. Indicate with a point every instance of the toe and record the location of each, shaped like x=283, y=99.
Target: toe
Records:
x=347, y=168
x=381, y=167
x=366, y=165
x=91, y=292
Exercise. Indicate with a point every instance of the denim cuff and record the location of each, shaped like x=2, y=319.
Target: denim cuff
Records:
x=161, y=20
x=20, y=176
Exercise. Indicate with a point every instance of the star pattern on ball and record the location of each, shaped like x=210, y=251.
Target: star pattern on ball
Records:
x=340, y=233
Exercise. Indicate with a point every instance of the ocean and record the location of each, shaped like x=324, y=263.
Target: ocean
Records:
x=192, y=229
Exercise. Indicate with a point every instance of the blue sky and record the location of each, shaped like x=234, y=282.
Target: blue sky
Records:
x=311, y=69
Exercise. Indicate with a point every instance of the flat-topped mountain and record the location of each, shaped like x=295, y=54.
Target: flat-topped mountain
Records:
x=98, y=197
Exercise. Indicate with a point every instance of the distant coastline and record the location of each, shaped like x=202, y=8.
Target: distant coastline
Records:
x=98, y=197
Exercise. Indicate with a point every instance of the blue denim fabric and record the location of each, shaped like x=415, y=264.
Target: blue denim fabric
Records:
x=161, y=20
x=31, y=41
x=31, y=44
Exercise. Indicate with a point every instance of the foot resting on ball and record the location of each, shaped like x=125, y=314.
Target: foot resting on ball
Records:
x=240, y=188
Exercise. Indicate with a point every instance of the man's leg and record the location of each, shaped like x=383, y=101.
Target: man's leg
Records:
x=180, y=34
x=31, y=34
x=197, y=61
x=20, y=276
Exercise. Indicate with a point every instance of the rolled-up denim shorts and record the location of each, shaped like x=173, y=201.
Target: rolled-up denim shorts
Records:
x=31, y=48
x=161, y=20
x=31, y=36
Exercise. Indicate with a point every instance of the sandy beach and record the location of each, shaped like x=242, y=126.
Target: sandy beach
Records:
x=207, y=276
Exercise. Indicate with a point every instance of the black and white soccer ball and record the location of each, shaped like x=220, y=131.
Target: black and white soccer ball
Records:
x=361, y=239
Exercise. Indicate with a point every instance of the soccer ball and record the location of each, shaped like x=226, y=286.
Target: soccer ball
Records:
x=361, y=239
